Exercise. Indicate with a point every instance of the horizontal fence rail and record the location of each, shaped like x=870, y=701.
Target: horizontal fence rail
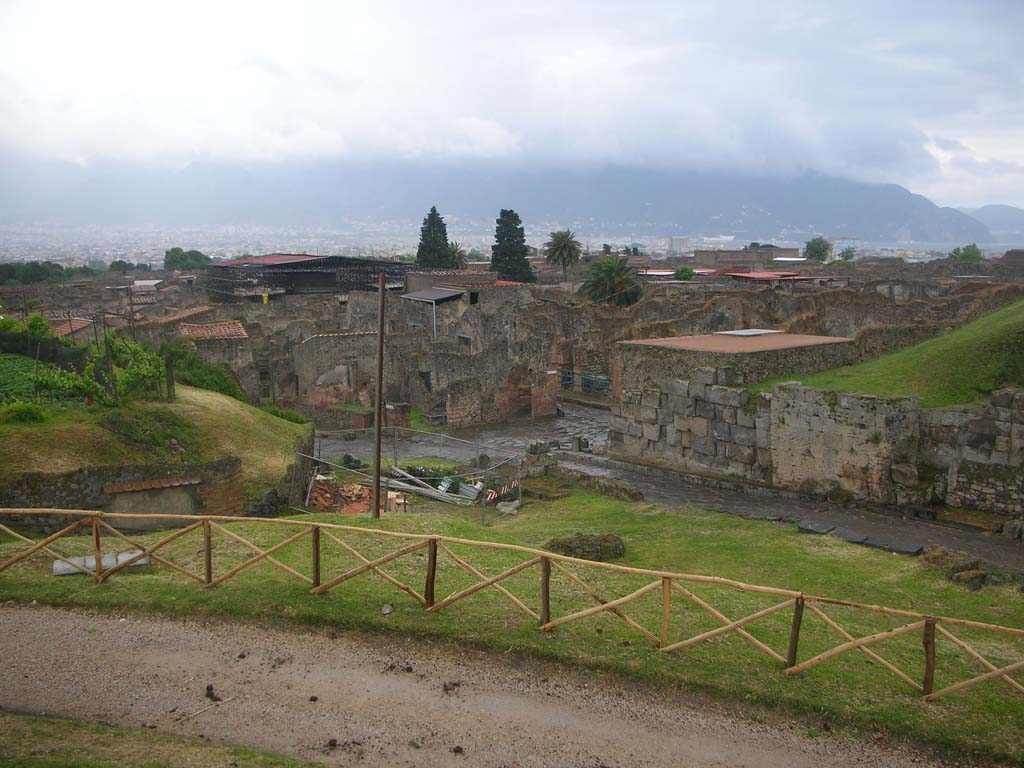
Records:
x=668, y=585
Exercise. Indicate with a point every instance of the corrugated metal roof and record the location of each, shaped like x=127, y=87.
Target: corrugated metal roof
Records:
x=269, y=259
x=433, y=295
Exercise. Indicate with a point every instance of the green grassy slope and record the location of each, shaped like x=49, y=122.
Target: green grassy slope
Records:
x=207, y=425
x=849, y=693
x=960, y=366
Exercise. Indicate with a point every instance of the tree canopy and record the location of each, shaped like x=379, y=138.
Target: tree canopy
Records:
x=456, y=255
x=563, y=250
x=818, y=249
x=433, y=249
x=610, y=280
x=848, y=253
x=178, y=259
x=508, y=254
x=684, y=272
x=969, y=252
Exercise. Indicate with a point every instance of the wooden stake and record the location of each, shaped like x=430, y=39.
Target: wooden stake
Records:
x=428, y=588
x=666, y=607
x=794, y=632
x=316, y=555
x=928, y=641
x=208, y=550
x=97, y=549
x=378, y=412
x=545, y=590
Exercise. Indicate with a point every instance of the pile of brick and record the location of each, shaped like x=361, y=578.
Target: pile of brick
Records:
x=348, y=498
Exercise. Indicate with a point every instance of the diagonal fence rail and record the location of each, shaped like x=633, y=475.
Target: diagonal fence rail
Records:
x=668, y=585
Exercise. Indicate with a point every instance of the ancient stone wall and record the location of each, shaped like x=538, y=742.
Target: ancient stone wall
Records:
x=215, y=488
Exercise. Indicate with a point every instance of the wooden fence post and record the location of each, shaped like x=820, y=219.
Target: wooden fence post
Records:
x=794, y=631
x=428, y=589
x=929, y=656
x=666, y=606
x=545, y=590
x=316, y=555
x=97, y=549
x=208, y=550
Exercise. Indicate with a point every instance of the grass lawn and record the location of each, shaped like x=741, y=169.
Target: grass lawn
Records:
x=961, y=366
x=46, y=742
x=207, y=425
x=851, y=692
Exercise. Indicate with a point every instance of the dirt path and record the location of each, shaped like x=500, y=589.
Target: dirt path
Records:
x=387, y=701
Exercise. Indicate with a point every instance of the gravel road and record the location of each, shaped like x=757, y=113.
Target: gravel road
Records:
x=385, y=701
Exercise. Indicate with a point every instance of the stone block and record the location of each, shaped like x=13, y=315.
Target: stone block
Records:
x=745, y=418
x=703, y=445
x=764, y=457
x=763, y=438
x=704, y=410
x=728, y=376
x=744, y=436
x=652, y=431
x=703, y=377
x=617, y=423
x=677, y=387
x=725, y=413
x=1003, y=398
x=651, y=398
x=672, y=437
x=720, y=430
x=699, y=425
x=727, y=396
x=903, y=474
x=664, y=416
x=648, y=415
x=741, y=453
x=634, y=428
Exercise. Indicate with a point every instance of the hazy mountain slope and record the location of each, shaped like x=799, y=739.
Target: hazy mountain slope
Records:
x=1000, y=218
x=592, y=199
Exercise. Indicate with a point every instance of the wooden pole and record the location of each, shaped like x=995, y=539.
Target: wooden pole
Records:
x=428, y=589
x=854, y=644
x=545, y=590
x=97, y=549
x=208, y=550
x=666, y=606
x=929, y=656
x=378, y=417
x=794, y=632
x=316, y=555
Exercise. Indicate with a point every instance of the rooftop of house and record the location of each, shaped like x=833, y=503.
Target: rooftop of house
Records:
x=731, y=343
x=180, y=315
x=227, y=329
x=267, y=260
x=73, y=325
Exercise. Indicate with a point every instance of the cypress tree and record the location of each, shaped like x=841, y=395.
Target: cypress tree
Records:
x=508, y=255
x=433, y=249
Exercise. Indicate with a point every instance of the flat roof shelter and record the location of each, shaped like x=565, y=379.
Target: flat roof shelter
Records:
x=434, y=296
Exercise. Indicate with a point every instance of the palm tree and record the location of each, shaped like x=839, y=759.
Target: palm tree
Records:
x=564, y=250
x=456, y=255
x=610, y=280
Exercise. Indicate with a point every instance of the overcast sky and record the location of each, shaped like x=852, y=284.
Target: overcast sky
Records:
x=926, y=94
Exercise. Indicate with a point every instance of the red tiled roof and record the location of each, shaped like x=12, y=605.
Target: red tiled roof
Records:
x=269, y=259
x=149, y=485
x=227, y=329
x=71, y=326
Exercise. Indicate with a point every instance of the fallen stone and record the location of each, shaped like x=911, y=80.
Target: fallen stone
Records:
x=814, y=526
x=508, y=507
x=60, y=568
x=589, y=546
x=950, y=563
x=890, y=545
x=973, y=580
x=846, y=534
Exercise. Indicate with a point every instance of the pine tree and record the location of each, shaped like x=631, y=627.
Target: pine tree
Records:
x=433, y=249
x=508, y=254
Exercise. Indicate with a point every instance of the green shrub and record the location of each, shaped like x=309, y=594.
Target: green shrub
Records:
x=191, y=369
x=22, y=413
x=284, y=413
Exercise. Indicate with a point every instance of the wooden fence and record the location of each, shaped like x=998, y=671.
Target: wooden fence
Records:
x=670, y=586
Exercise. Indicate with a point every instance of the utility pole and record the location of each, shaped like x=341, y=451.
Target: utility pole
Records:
x=378, y=417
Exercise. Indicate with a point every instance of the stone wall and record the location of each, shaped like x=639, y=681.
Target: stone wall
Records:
x=215, y=488
x=818, y=442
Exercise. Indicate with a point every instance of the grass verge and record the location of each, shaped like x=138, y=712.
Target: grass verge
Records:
x=850, y=692
x=961, y=366
x=47, y=742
